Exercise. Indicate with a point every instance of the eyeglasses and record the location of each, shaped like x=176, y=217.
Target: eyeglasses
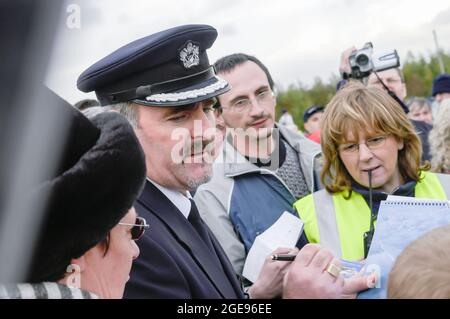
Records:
x=138, y=228
x=241, y=105
x=372, y=143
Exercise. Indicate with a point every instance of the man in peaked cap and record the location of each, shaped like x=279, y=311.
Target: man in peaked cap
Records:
x=311, y=122
x=166, y=87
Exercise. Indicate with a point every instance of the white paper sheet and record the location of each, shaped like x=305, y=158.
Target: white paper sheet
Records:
x=285, y=232
x=395, y=198
x=400, y=221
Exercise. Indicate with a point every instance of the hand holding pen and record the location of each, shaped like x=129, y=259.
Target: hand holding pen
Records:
x=283, y=257
x=314, y=274
x=346, y=268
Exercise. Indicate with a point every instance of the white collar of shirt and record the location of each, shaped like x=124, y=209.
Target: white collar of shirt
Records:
x=181, y=201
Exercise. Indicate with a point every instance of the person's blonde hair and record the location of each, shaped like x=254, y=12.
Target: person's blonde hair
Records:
x=356, y=109
x=422, y=269
x=440, y=139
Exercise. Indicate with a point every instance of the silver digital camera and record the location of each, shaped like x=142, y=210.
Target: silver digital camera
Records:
x=364, y=61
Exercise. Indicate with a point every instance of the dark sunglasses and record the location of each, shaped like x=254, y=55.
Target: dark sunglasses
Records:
x=138, y=228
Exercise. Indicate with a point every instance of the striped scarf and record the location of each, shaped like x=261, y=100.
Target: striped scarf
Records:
x=45, y=290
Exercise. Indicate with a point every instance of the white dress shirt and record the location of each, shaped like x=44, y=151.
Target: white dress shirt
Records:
x=181, y=201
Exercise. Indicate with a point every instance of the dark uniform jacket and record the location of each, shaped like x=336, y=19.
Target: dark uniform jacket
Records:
x=174, y=261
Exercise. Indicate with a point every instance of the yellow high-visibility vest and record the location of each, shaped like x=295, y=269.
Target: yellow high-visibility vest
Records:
x=339, y=224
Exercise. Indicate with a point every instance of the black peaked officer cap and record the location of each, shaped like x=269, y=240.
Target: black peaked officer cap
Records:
x=168, y=68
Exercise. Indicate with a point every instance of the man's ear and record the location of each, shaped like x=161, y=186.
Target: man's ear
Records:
x=405, y=92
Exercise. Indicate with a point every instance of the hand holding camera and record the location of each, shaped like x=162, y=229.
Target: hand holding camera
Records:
x=361, y=63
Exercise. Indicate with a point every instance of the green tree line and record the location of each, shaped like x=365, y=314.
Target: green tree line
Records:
x=418, y=70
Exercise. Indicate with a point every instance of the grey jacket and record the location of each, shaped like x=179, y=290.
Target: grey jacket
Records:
x=243, y=200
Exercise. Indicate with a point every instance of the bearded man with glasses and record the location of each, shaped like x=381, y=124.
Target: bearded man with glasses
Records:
x=263, y=168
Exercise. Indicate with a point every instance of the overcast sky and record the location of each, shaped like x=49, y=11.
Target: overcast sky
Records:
x=298, y=40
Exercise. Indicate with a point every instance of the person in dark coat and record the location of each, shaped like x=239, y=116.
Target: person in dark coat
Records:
x=86, y=241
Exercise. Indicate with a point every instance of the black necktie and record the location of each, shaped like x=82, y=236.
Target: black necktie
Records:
x=198, y=224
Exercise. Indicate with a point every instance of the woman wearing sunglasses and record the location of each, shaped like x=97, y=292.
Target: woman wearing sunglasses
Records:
x=86, y=242
x=370, y=150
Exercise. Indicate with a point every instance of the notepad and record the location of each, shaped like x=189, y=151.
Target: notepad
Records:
x=400, y=221
x=285, y=232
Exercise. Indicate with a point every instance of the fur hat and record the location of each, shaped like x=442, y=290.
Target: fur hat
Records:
x=100, y=174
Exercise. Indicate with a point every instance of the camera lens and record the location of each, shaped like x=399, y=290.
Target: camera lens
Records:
x=362, y=59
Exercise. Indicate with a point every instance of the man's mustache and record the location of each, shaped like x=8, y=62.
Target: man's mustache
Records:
x=199, y=147
x=258, y=118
